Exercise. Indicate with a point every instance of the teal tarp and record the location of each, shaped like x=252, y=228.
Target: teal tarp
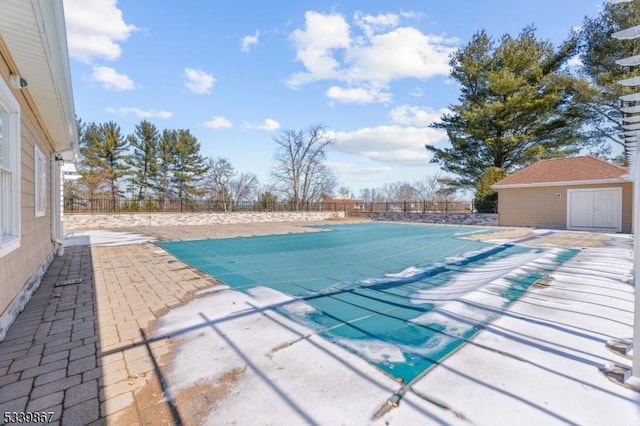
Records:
x=381, y=290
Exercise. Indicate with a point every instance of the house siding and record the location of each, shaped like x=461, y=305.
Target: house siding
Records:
x=21, y=270
x=541, y=207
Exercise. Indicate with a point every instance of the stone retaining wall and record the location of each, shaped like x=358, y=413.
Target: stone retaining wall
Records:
x=108, y=221
x=488, y=219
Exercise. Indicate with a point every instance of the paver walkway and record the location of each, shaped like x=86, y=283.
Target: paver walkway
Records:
x=78, y=349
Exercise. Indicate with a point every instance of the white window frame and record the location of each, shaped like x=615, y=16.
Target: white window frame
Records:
x=10, y=169
x=40, y=181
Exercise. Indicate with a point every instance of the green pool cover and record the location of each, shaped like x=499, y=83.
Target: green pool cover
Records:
x=401, y=296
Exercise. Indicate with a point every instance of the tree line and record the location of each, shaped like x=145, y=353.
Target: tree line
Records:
x=167, y=165
x=161, y=166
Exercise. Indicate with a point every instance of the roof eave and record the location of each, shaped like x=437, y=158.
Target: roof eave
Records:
x=50, y=17
x=47, y=71
x=621, y=179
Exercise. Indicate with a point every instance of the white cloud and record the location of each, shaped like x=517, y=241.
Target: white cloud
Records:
x=315, y=45
x=268, y=125
x=218, y=122
x=140, y=113
x=401, y=53
x=95, y=29
x=372, y=24
x=357, y=169
x=381, y=51
x=416, y=116
x=389, y=144
x=198, y=81
x=250, y=40
x=358, y=94
x=411, y=14
x=109, y=78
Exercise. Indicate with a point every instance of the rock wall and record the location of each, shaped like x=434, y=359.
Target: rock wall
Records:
x=108, y=221
x=488, y=219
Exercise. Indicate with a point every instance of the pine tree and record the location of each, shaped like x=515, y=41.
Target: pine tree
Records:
x=142, y=161
x=115, y=154
x=166, y=154
x=600, y=97
x=515, y=106
x=92, y=164
x=188, y=165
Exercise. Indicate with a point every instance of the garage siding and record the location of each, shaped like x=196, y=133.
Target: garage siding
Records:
x=541, y=207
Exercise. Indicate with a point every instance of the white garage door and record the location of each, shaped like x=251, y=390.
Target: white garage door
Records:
x=598, y=209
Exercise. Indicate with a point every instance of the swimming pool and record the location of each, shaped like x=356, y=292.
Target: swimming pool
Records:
x=401, y=296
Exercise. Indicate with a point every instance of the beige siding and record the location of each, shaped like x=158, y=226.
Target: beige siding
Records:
x=542, y=207
x=17, y=268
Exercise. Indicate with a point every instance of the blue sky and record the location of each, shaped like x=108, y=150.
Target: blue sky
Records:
x=236, y=73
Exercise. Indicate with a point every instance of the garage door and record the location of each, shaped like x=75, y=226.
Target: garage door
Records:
x=597, y=209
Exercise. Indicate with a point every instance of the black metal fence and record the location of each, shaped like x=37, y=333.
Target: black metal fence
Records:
x=133, y=205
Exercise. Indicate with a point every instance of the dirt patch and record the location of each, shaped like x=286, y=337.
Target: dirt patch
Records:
x=543, y=282
x=196, y=402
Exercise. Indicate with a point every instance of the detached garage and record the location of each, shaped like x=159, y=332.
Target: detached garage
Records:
x=579, y=193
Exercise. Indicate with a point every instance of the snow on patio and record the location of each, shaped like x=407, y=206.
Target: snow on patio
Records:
x=538, y=363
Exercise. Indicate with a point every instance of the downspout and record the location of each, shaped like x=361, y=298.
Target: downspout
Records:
x=56, y=183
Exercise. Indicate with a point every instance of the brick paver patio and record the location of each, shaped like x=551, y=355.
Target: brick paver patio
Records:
x=78, y=349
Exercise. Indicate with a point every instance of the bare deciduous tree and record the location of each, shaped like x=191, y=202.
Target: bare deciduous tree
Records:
x=300, y=172
x=432, y=188
x=225, y=186
x=345, y=192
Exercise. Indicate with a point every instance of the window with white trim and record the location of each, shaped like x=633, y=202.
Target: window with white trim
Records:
x=40, y=180
x=9, y=171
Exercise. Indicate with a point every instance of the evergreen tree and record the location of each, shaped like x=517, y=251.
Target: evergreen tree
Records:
x=268, y=201
x=166, y=155
x=486, y=197
x=515, y=106
x=92, y=164
x=600, y=98
x=115, y=154
x=188, y=165
x=142, y=161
